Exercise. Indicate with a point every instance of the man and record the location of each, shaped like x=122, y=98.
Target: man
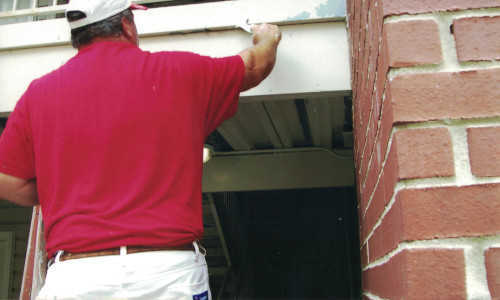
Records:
x=110, y=145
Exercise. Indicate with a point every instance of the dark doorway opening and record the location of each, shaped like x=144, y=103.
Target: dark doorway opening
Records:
x=292, y=244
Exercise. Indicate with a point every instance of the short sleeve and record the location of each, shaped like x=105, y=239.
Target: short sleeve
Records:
x=16, y=144
x=228, y=77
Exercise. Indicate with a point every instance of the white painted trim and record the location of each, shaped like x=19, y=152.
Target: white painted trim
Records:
x=53, y=9
x=312, y=59
x=40, y=11
x=224, y=15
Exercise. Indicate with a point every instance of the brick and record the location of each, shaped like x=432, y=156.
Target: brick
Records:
x=377, y=15
x=386, y=123
x=381, y=197
x=445, y=212
x=388, y=235
x=377, y=200
x=363, y=255
x=375, y=116
x=383, y=62
x=484, y=150
x=417, y=153
x=388, y=179
x=356, y=138
x=374, y=210
x=434, y=273
x=477, y=38
x=367, y=133
x=424, y=153
x=363, y=202
x=449, y=212
x=419, y=274
x=356, y=148
x=374, y=37
x=386, y=281
x=412, y=43
x=492, y=262
x=371, y=180
x=365, y=160
x=437, y=96
x=375, y=24
x=398, y=7
x=371, y=141
x=363, y=49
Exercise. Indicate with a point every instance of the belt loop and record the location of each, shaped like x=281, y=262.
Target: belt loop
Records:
x=58, y=255
x=123, y=256
x=55, y=258
x=202, y=250
x=196, y=249
x=50, y=263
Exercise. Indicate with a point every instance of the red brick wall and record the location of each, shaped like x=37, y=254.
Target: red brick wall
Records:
x=426, y=96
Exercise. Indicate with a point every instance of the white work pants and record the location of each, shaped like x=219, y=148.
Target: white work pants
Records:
x=145, y=275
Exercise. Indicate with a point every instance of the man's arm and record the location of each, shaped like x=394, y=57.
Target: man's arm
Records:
x=260, y=58
x=17, y=190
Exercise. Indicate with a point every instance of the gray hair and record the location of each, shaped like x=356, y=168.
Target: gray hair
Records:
x=110, y=27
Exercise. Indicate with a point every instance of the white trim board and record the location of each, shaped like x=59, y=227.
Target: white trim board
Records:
x=216, y=16
x=312, y=58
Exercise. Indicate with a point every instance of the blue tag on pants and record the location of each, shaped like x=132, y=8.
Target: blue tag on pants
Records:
x=202, y=296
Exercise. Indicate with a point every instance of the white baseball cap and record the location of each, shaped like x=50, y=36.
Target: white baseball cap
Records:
x=98, y=10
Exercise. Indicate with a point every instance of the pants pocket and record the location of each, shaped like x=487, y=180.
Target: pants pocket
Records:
x=191, y=285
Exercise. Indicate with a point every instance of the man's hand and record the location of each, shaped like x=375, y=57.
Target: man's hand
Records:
x=18, y=191
x=260, y=58
x=263, y=32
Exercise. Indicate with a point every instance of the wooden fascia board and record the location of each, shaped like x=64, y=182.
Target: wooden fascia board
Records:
x=312, y=58
x=216, y=16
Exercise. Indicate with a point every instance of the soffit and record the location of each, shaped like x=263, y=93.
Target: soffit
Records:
x=292, y=123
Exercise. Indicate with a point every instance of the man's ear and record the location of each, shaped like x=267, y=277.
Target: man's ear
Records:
x=129, y=31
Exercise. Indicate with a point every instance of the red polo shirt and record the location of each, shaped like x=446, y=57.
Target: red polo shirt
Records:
x=114, y=138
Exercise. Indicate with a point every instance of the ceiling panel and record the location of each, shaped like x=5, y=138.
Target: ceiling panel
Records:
x=291, y=123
